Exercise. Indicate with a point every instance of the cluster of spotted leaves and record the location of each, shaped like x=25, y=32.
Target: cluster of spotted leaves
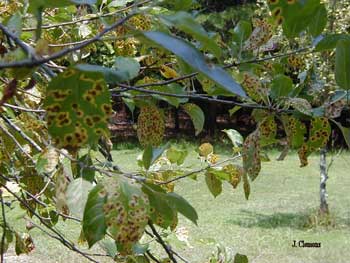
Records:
x=253, y=86
x=126, y=212
x=127, y=46
x=78, y=109
x=150, y=126
x=260, y=35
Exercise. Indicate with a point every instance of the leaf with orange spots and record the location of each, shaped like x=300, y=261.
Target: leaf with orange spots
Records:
x=78, y=107
x=251, y=155
x=320, y=130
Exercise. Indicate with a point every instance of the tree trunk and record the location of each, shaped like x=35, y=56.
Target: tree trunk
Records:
x=324, y=177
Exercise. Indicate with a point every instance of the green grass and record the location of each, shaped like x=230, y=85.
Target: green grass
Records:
x=282, y=199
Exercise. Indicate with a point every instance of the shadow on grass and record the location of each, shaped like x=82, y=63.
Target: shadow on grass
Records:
x=299, y=220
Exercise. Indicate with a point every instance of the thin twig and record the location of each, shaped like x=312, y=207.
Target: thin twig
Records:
x=36, y=62
x=22, y=108
x=200, y=170
x=25, y=136
x=4, y=226
x=159, y=239
x=59, y=236
x=89, y=19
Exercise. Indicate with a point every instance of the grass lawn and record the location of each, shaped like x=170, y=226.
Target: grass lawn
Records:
x=263, y=228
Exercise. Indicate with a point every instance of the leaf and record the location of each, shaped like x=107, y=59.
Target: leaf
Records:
x=182, y=206
x=246, y=186
x=196, y=60
x=268, y=131
x=77, y=195
x=281, y=86
x=330, y=41
x=345, y=131
x=342, y=64
x=162, y=213
x=241, y=32
x=128, y=67
x=235, y=137
x=213, y=183
x=14, y=24
x=126, y=212
x=151, y=154
x=318, y=21
x=301, y=105
x=176, y=156
x=197, y=116
x=78, y=108
x=111, y=75
x=251, y=155
x=239, y=258
x=24, y=243
x=320, y=131
x=94, y=224
x=60, y=190
x=295, y=131
x=185, y=22
x=172, y=88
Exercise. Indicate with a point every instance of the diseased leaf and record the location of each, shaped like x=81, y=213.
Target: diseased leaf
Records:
x=268, y=131
x=78, y=108
x=214, y=184
x=251, y=155
x=246, y=186
x=320, y=131
x=295, y=131
x=196, y=60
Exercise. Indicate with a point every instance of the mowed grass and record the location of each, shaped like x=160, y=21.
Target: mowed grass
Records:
x=264, y=227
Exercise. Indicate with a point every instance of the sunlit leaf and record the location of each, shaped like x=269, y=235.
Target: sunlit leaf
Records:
x=197, y=116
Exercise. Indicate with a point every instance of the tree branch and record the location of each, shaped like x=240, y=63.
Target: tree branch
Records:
x=89, y=19
x=39, y=61
x=167, y=249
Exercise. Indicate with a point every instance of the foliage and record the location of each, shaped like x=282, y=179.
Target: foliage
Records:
x=64, y=61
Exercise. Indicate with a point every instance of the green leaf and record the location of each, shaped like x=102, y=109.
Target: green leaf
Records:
x=179, y=4
x=181, y=205
x=111, y=75
x=318, y=21
x=128, y=67
x=94, y=225
x=14, y=24
x=78, y=109
x=176, y=156
x=151, y=154
x=109, y=246
x=214, y=184
x=330, y=41
x=172, y=88
x=235, y=137
x=239, y=258
x=342, y=64
x=241, y=32
x=246, y=186
x=185, y=22
x=163, y=214
x=281, y=86
x=197, y=116
x=77, y=195
x=196, y=60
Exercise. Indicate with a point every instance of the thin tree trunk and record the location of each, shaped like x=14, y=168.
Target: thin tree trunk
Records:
x=324, y=177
